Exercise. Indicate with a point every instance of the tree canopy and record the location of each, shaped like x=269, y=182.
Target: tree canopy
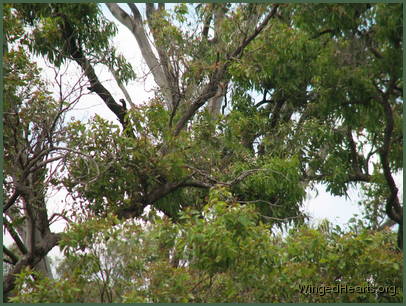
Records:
x=196, y=195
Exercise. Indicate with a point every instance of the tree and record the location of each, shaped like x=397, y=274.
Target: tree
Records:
x=226, y=256
x=330, y=111
x=34, y=130
x=350, y=92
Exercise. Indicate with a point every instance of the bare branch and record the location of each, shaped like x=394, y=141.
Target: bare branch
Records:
x=14, y=258
x=75, y=51
x=260, y=201
x=122, y=87
x=354, y=155
x=238, y=51
x=120, y=15
x=206, y=26
x=197, y=184
x=209, y=91
x=283, y=219
x=204, y=174
x=161, y=190
x=393, y=207
x=55, y=216
x=21, y=246
x=135, y=25
x=211, y=88
x=30, y=260
x=167, y=67
x=247, y=173
x=12, y=200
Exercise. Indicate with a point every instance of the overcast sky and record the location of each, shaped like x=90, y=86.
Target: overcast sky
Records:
x=336, y=209
x=318, y=205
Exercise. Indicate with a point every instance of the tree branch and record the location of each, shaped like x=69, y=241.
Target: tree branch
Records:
x=354, y=154
x=206, y=26
x=135, y=25
x=393, y=207
x=167, y=68
x=247, y=173
x=321, y=33
x=122, y=87
x=237, y=52
x=208, y=92
x=161, y=190
x=211, y=88
x=14, y=258
x=74, y=50
x=20, y=244
x=12, y=200
x=30, y=260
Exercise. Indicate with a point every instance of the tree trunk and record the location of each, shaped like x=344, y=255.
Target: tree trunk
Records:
x=43, y=266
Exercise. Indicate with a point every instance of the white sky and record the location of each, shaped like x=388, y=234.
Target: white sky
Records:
x=338, y=210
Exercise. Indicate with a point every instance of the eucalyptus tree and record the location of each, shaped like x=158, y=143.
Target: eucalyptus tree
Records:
x=33, y=130
x=331, y=81
x=226, y=255
x=264, y=99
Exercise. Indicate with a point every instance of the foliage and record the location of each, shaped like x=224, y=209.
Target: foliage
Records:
x=34, y=288
x=224, y=254
x=196, y=195
x=86, y=26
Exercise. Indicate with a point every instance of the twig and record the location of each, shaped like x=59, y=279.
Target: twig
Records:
x=260, y=201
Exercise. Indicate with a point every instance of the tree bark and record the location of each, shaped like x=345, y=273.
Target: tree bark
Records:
x=135, y=24
x=29, y=260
